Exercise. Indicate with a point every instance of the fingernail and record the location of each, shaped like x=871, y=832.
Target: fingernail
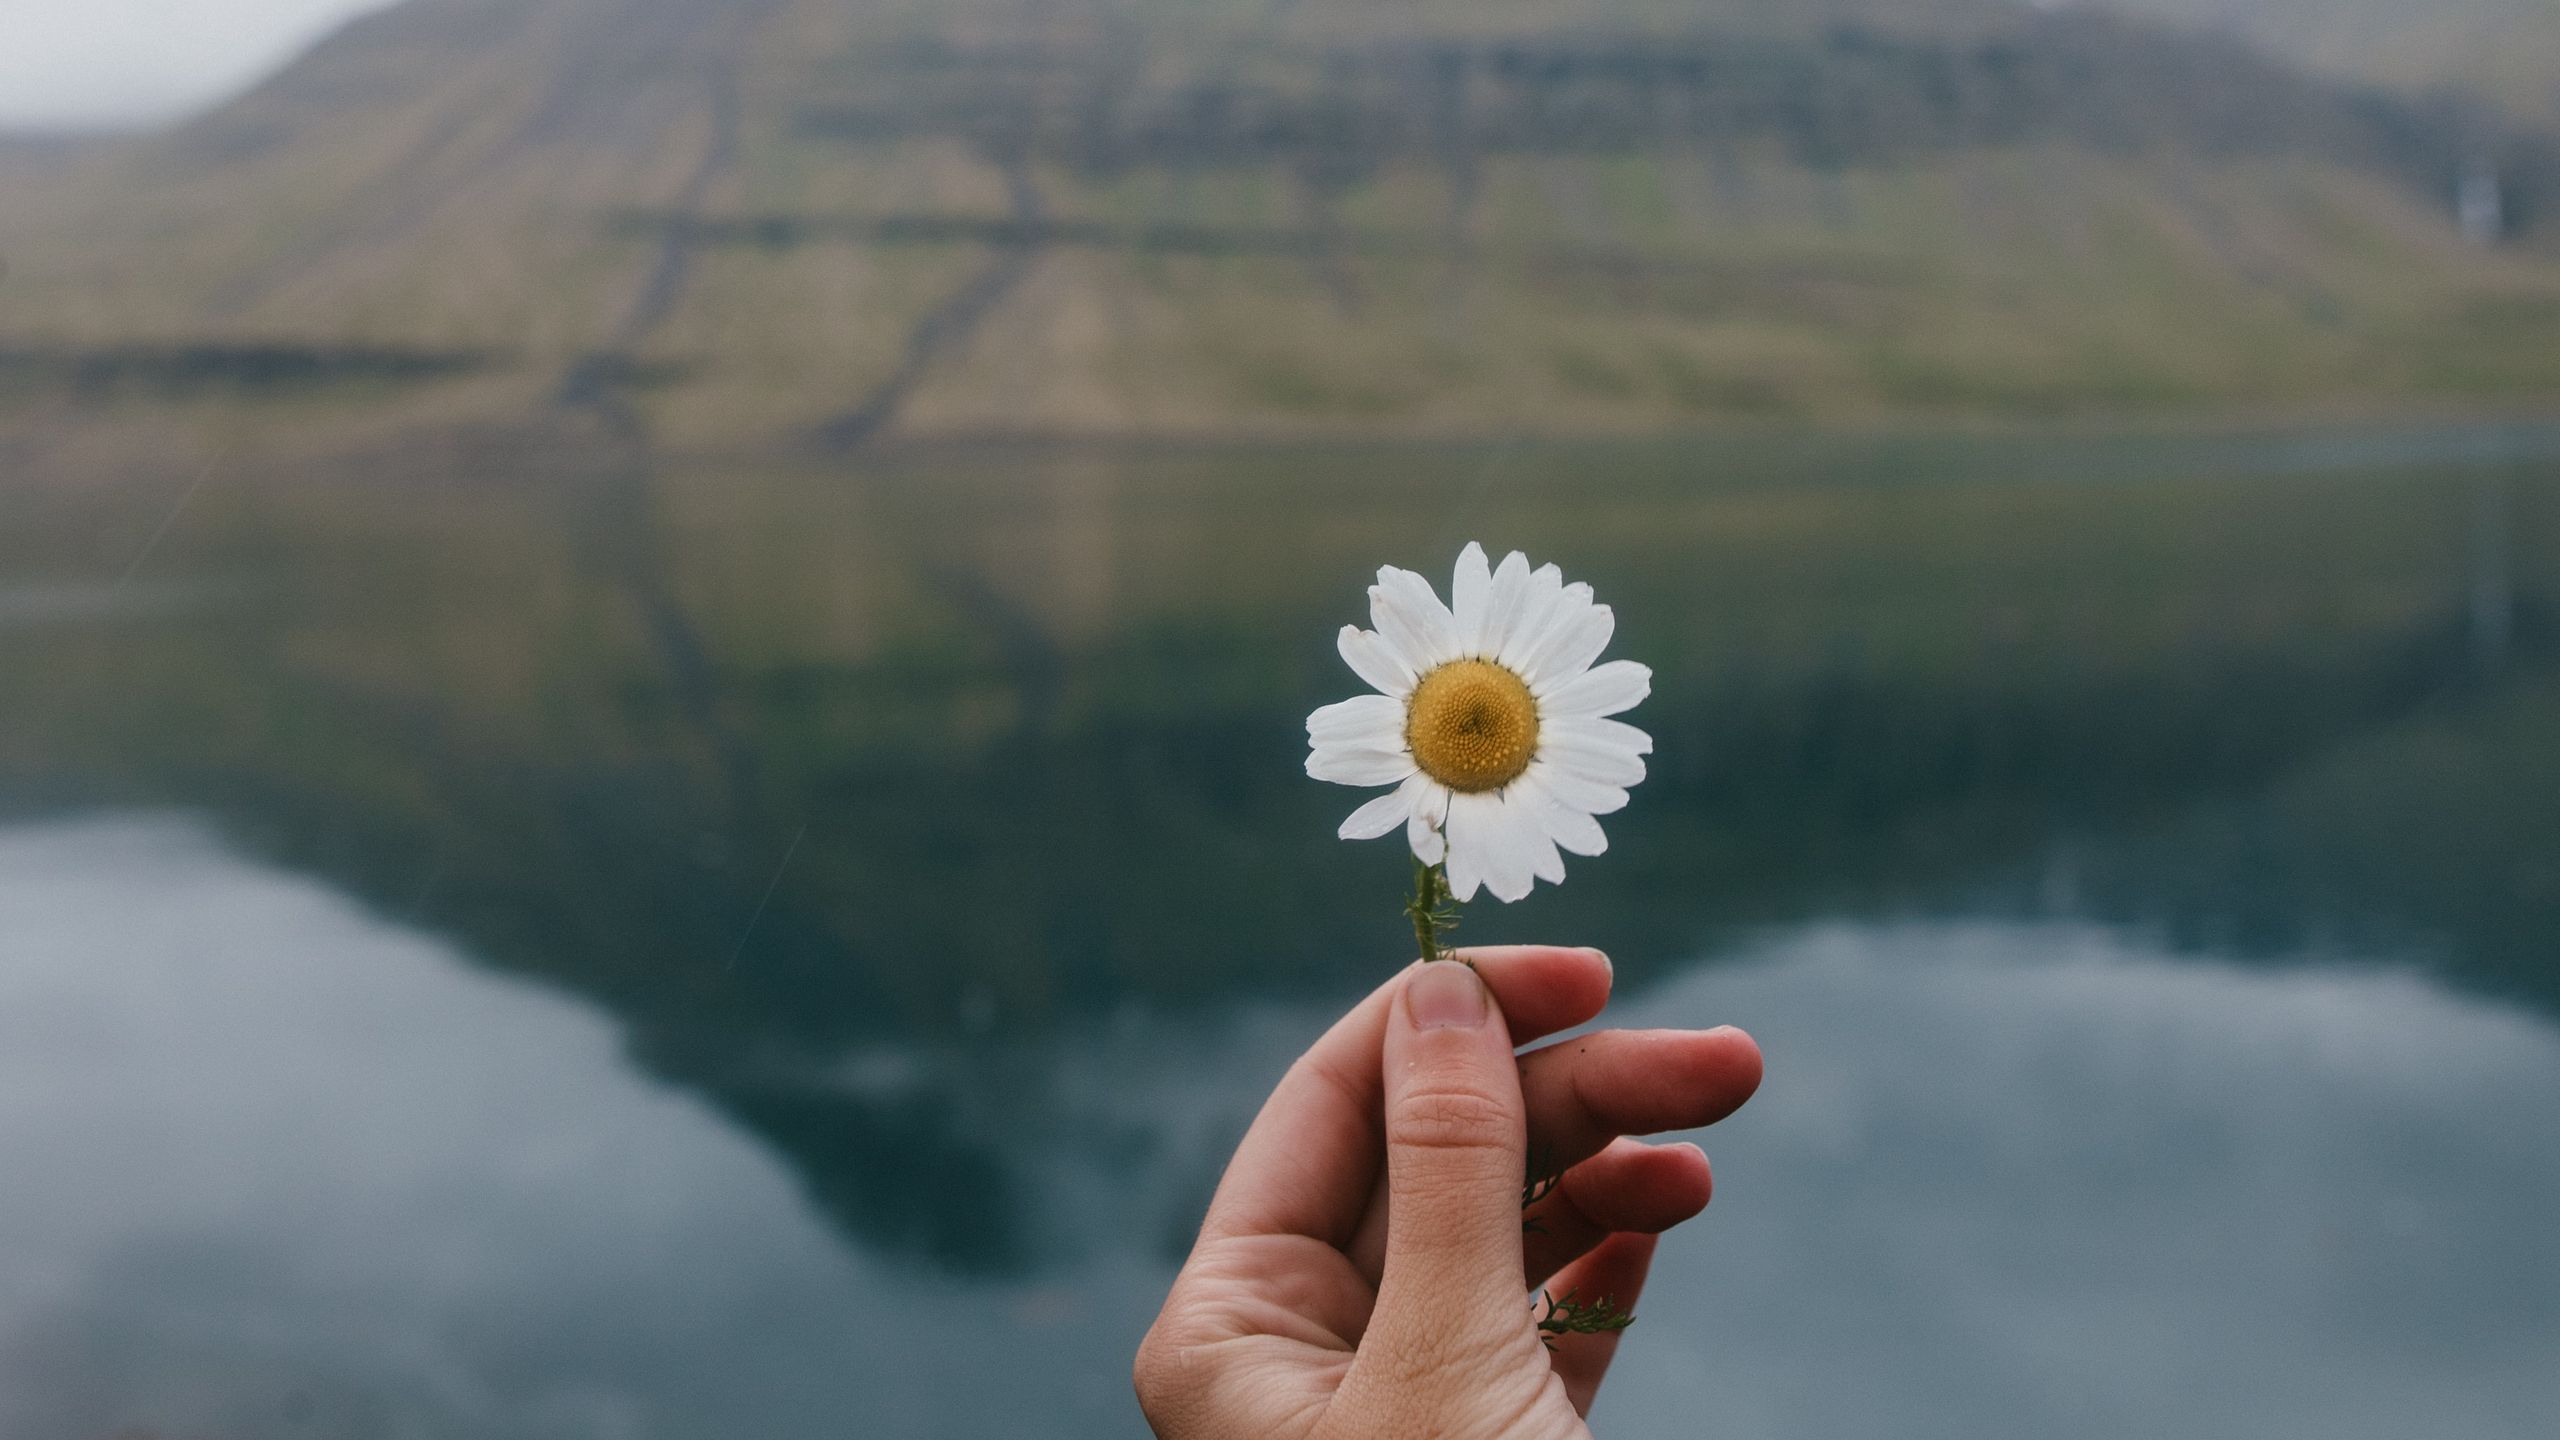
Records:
x=1446, y=995
x=1605, y=962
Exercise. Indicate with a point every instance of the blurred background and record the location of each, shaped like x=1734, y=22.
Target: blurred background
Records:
x=652, y=656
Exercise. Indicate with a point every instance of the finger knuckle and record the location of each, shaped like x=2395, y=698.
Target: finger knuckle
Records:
x=1451, y=1117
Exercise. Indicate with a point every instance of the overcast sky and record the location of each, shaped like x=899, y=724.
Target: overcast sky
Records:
x=88, y=64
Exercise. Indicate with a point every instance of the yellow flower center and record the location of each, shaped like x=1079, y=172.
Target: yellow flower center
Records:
x=1473, y=725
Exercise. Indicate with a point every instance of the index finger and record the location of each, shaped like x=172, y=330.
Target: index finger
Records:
x=1307, y=1164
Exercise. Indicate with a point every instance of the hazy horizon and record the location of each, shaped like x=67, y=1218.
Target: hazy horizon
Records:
x=113, y=65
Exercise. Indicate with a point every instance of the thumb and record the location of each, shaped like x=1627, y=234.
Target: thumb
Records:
x=1456, y=1134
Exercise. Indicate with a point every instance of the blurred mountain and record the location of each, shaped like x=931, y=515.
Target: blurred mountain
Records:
x=833, y=221
x=2506, y=49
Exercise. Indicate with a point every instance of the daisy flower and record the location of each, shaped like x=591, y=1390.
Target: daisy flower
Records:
x=1490, y=721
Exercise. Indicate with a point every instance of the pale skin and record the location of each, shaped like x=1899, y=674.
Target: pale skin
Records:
x=1364, y=1274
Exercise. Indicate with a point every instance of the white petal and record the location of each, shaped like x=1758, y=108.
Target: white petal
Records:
x=1469, y=590
x=1440, y=625
x=1374, y=722
x=1408, y=612
x=1531, y=829
x=1591, y=797
x=1593, y=731
x=1569, y=827
x=1503, y=604
x=1430, y=818
x=1397, y=634
x=1373, y=660
x=1572, y=830
x=1382, y=814
x=1344, y=765
x=1601, y=690
x=1537, y=615
x=1597, y=761
x=1475, y=844
x=1569, y=646
x=1503, y=843
x=1566, y=602
x=1466, y=855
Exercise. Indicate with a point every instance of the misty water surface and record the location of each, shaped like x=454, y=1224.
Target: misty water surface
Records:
x=785, y=952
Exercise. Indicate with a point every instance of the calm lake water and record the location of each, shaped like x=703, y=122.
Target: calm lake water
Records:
x=755, y=949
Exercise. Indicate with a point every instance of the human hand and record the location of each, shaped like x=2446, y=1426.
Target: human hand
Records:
x=1364, y=1272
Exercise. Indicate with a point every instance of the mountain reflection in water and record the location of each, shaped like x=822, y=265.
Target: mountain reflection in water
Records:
x=740, y=947
x=278, y=1166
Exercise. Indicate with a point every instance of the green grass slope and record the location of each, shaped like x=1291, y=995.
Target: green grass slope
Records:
x=834, y=223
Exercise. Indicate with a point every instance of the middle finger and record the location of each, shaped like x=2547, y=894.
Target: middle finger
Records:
x=1585, y=1092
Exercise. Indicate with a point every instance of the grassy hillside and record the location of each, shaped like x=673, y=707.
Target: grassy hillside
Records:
x=2507, y=49
x=824, y=222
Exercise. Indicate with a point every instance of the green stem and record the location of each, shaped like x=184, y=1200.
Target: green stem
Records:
x=1431, y=909
x=1574, y=1315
